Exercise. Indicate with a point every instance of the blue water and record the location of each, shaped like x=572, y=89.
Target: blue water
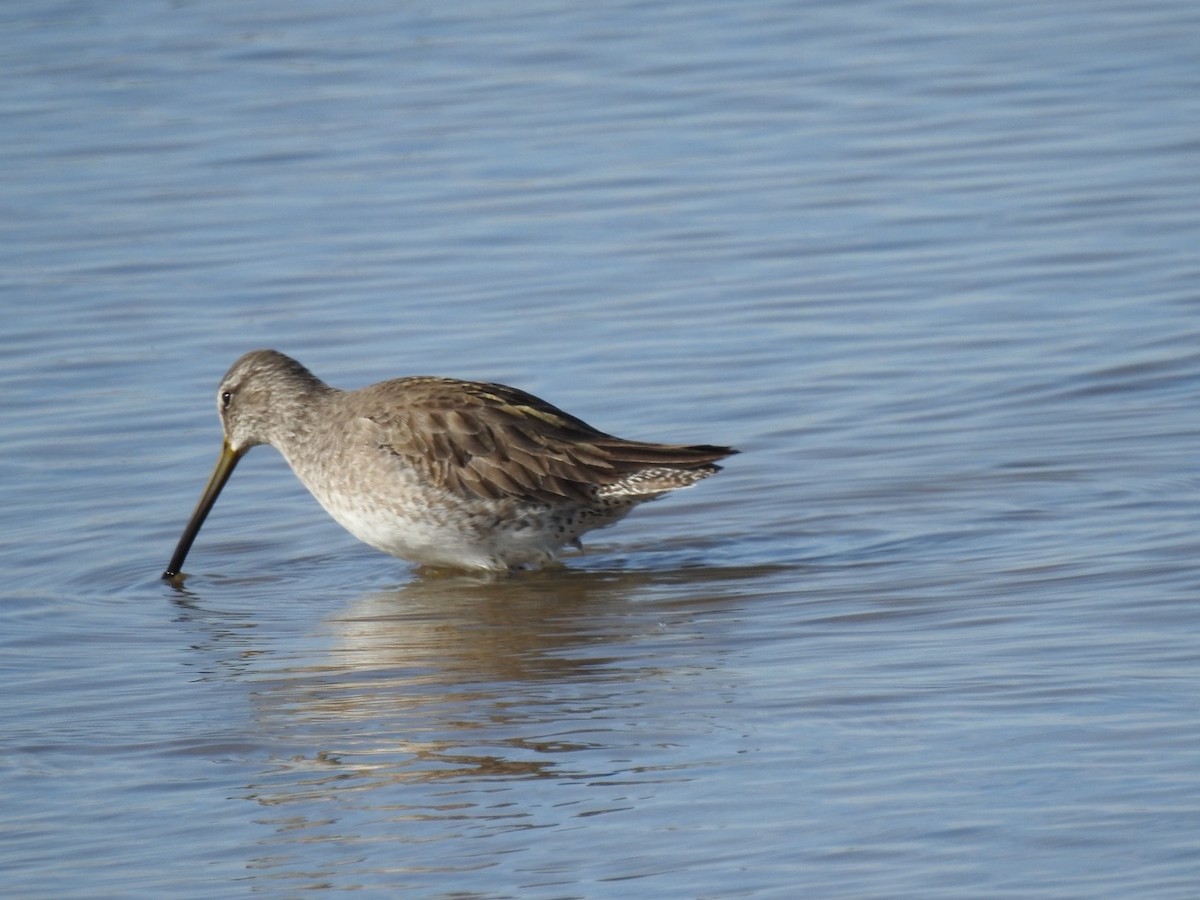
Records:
x=932, y=267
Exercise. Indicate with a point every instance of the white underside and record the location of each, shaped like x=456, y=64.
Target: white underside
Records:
x=443, y=531
x=435, y=538
x=433, y=544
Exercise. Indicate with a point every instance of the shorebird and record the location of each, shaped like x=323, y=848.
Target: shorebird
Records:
x=441, y=472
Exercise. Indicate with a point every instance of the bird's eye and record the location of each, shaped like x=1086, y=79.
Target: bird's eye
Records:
x=226, y=399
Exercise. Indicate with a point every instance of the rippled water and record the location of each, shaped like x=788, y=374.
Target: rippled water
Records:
x=932, y=267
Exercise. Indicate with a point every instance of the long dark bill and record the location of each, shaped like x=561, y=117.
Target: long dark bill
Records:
x=225, y=463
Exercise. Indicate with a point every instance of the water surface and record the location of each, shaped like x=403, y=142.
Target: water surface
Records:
x=930, y=266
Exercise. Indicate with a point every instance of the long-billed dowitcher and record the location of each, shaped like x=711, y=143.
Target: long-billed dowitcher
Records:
x=441, y=472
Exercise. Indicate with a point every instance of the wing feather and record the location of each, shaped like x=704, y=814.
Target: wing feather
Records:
x=494, y=442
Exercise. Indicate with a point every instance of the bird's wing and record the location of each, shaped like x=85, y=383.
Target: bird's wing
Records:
x=494, y=442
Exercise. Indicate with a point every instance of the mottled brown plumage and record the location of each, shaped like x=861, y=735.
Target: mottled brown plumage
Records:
x=440, y=471
x=491, y=442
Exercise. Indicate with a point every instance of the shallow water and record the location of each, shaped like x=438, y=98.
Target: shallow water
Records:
x=932, y=267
